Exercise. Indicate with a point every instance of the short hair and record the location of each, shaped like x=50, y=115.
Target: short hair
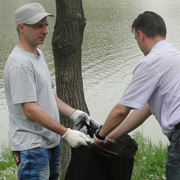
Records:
x=150, y=23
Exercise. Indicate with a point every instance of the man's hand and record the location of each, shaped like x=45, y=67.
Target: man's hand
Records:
x=102, y=141
x=97, y=141
x=75, y=138
x=77, y=116
x=108, y=144
x=84, y=123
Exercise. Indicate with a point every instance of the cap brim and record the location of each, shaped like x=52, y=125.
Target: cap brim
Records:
x=35, y=19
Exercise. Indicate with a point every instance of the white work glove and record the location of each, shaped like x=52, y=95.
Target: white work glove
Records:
x=75, y=138
x=78, y=116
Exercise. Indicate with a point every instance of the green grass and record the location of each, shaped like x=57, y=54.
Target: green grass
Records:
x=149, y=159
x=148, y=165
x=8, y=167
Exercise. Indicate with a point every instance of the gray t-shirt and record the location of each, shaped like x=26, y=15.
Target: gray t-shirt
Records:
x=27, y=79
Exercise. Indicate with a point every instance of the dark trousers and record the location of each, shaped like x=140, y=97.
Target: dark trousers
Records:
x=173, y=157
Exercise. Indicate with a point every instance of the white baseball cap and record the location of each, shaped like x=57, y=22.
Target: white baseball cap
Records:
x=30, y=14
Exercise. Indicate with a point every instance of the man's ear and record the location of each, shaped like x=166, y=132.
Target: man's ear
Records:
x=141, y=35
x=20, y=27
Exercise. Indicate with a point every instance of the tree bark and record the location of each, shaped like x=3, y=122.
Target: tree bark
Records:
x=67, y=45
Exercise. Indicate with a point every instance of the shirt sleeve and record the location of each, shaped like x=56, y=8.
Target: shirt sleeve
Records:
x=22, y=85
x=144, y=82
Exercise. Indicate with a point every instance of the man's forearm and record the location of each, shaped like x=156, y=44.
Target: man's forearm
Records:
x=116, y=116
x=37, y=114
x=64, y=108
x=134, y=120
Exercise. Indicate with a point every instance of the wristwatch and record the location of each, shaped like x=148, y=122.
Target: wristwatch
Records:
x=98, y=136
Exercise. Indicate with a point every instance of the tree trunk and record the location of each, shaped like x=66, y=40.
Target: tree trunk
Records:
x=67, y=41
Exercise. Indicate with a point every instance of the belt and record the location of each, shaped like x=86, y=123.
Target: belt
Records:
x=177, y=126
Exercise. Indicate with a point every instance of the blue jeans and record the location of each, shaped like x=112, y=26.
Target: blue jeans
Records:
x=40, y=164
x=173, y=157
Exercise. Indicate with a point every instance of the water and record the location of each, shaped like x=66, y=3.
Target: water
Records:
x=109, y=54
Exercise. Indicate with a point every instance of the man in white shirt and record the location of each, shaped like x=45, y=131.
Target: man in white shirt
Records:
x=154, y=89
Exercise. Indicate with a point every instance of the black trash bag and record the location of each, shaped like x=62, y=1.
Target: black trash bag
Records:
x=97, y=163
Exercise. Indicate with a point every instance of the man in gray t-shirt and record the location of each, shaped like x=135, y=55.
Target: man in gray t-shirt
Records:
x=33, y=108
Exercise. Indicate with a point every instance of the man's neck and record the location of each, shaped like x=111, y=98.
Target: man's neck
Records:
x=151, y=42
x=28, y=48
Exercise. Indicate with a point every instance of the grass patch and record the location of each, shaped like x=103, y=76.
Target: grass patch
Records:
x=8, y=166
x=149, y=159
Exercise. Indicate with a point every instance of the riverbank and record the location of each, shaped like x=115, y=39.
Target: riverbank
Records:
x=148, y=165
